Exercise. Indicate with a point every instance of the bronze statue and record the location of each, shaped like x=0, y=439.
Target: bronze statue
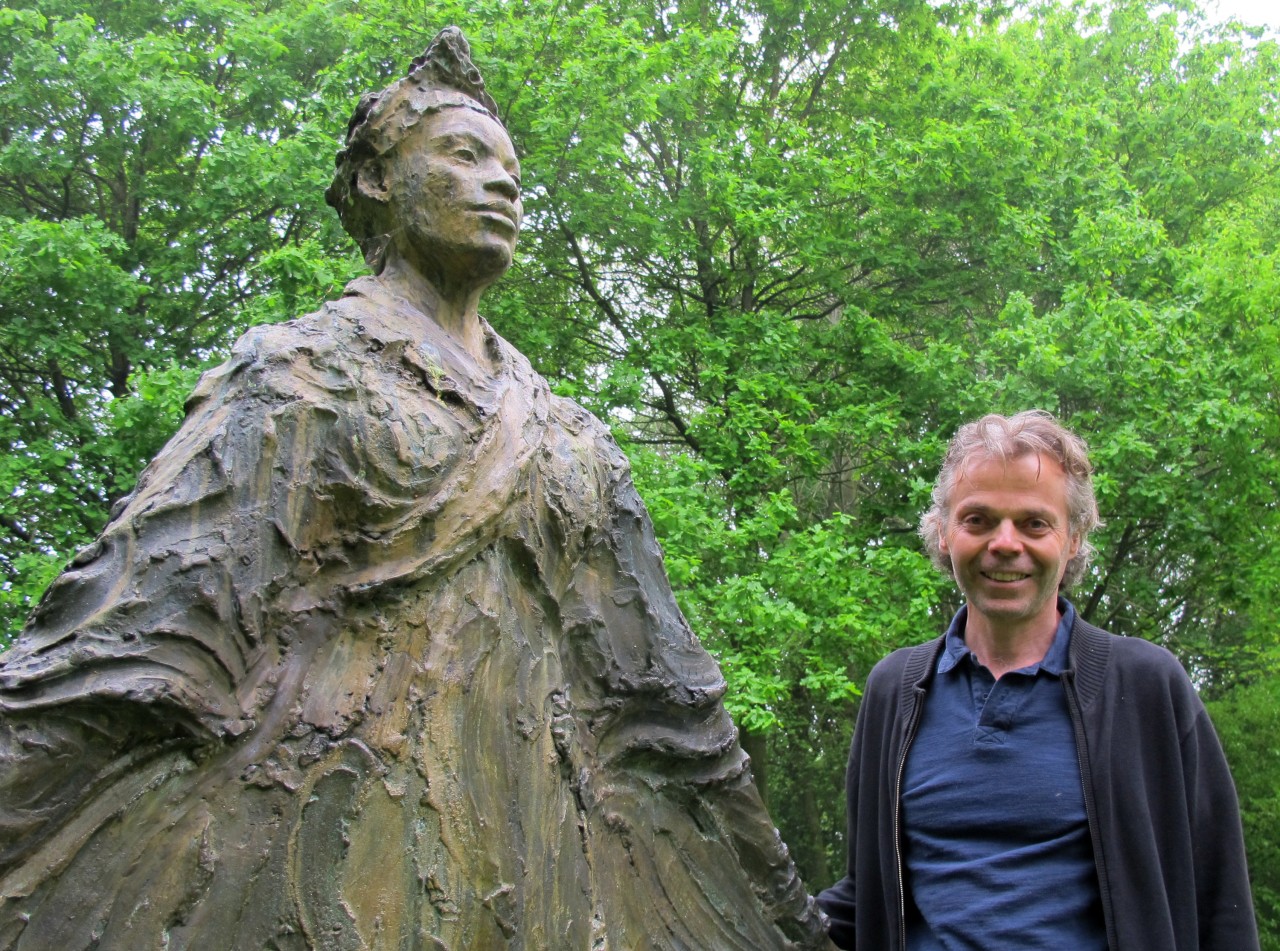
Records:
x=380, y=653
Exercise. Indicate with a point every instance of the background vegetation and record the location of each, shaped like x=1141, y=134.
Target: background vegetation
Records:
x=784, y=246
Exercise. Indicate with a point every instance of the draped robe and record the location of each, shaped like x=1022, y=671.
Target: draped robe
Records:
x=380, y=653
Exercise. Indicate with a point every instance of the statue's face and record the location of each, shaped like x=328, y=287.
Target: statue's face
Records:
x=453, y=186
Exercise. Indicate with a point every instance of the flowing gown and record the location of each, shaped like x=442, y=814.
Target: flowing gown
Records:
x=380, y=653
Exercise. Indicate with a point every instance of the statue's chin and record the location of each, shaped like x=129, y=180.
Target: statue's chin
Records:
x=475, y=265
x=483, y=267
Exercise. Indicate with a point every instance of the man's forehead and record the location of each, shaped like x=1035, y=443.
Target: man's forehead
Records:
x=1027, y=480
x=1045, y=466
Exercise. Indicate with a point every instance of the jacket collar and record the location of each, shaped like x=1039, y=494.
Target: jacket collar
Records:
x=1088, y=654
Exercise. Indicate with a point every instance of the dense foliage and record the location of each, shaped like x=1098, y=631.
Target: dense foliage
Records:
x=784, y=246
x=1248, y=721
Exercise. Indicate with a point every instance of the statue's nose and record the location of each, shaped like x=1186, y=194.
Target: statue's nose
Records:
x=502, y=183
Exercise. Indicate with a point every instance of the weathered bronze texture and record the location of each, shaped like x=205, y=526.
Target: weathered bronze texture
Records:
x=380, y=653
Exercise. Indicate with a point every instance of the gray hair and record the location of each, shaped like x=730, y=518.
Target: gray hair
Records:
x=1010, y=437
x=442, y=77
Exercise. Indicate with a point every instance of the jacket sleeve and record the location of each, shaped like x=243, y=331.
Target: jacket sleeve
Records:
x=1223, y=895
x=869, y=756
x=839, y=902
x=1172, y=858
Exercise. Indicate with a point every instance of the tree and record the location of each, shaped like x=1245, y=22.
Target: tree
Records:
x=790, y=266
x=1248, y=721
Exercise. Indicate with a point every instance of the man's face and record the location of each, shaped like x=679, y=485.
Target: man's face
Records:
x=454, y=187
x=1008, y=537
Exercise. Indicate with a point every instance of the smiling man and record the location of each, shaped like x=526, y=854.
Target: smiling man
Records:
x=1029, y=780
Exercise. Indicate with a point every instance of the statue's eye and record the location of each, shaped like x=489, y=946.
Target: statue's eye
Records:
x=464, y=154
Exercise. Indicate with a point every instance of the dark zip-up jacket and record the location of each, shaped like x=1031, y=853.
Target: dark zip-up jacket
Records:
x=1163, y=814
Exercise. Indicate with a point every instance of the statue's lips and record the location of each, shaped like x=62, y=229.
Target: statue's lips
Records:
x=497, y=211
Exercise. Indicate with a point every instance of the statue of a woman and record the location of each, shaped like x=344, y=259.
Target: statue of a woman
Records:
x=380, y=653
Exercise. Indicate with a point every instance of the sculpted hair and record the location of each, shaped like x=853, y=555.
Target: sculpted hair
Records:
x=442, y=77
x=1006, y=438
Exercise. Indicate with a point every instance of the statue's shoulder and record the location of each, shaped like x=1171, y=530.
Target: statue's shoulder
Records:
x=565, y=412
x=316, y=353
x=586, y=427
x=566, y=418
x=581, y=420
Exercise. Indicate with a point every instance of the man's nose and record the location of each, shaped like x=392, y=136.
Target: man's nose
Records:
x=1006, y=537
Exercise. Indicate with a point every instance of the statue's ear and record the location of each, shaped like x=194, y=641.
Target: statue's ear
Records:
x=371, y=181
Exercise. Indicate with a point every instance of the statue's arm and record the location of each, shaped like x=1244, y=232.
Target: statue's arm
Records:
x=179, y=603
x=165, y=631
x=673, y=729
x=52, y=760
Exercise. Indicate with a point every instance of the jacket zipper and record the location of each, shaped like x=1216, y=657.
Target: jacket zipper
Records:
x=897, y=813
x=1095, y=837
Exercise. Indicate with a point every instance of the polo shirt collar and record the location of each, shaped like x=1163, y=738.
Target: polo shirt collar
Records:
x=1054, y=662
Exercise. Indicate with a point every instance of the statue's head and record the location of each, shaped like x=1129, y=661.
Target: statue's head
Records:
x=428, y=166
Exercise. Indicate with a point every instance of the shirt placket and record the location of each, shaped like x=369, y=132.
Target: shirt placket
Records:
x=995, y=703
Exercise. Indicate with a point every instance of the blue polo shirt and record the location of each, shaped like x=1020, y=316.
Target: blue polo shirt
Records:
x=996, y=841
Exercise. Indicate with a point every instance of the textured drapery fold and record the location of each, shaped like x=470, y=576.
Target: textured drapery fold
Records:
x=380, y=653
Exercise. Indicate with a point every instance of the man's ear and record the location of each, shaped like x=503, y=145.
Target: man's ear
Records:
x=942, y=541
x=371, y=181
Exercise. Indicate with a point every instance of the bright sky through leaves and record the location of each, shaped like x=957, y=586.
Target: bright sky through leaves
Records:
x=1251, y=12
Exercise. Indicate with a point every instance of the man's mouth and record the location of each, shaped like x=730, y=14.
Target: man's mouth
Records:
x=1005, y=575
